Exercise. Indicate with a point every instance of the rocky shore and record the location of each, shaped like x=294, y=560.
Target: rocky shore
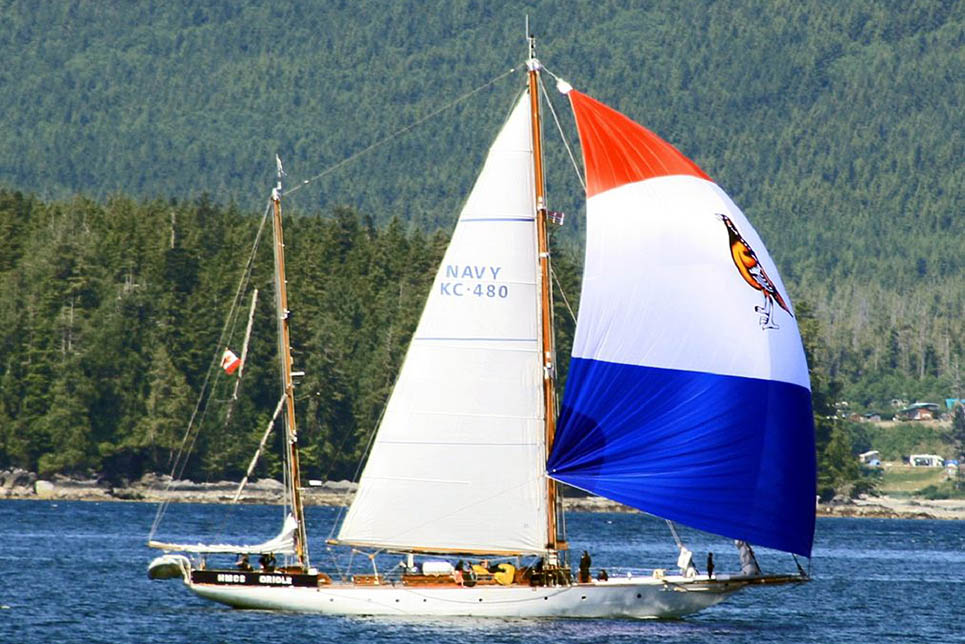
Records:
x=152, y=488
x=887, y=507
x=21, y=484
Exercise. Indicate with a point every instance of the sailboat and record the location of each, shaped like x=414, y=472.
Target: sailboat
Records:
x=688, y=397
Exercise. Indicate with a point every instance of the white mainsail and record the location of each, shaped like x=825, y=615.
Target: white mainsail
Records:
x=458, y=464
x=283, y=544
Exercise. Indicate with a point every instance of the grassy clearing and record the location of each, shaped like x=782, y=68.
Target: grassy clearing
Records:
x=896, y=440
x=902, y=481
x=899, y=479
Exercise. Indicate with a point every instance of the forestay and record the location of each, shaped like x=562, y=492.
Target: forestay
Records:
x=458, y=463
x=688, y=393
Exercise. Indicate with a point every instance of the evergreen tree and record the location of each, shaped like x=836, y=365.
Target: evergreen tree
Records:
x=67, y=428
x=958, y=427
x=167, y=411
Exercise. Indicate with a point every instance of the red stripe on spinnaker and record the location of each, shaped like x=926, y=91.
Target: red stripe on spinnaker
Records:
x=617, y=150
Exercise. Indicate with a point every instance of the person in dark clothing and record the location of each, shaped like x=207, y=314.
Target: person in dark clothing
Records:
x=710, y=565
x=243, y=563
x=585, y=562
x=603, y=576
x=267, y=562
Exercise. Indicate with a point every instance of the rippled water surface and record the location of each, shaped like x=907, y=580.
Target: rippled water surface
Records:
x=75, y=572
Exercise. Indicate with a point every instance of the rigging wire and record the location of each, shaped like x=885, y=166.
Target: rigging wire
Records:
x=576, y=168
x=800, y=569
x=559, y=128
x=180, y=460
x=225, y=332
x=358, y=468
x=559, y=287
x=399, y=132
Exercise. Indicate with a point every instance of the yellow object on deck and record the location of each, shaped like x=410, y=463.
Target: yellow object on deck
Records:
x=504, y=576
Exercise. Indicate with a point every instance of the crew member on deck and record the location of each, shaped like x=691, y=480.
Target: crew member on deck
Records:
x=710, y=565
x=243, y=563
x=457, y=575
x=585, y=562
x=267, y=562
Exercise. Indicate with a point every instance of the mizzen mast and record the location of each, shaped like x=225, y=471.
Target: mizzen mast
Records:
x=285, y=355
x=556, y=540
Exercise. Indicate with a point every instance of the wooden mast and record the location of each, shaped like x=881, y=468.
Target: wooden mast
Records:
x=555, y=541
x=285, y=354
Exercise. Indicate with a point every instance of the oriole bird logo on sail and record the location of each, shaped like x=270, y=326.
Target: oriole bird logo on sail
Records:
x=749, y=267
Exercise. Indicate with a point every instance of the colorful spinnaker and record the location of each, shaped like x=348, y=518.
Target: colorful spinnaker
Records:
x=688, y=393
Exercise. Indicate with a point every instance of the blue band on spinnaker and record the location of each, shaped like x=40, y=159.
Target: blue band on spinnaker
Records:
x=729, y=455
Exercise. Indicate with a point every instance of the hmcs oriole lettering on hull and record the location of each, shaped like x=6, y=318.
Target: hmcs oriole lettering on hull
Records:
x=753, y=273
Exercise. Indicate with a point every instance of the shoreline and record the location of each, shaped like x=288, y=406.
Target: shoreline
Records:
x=19, y=484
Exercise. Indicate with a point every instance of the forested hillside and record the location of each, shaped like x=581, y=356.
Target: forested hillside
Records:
x=111, y=317
x=837, y=127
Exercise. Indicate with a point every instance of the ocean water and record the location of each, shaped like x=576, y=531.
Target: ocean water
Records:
x=75, y=572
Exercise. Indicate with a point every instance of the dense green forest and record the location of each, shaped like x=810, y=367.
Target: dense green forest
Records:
x=113, y=320
x=113, y=317
x=837, y=127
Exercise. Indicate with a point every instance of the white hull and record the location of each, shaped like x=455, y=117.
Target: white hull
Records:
x=638, y=597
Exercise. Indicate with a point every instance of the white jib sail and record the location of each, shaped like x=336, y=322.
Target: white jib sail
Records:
x=458, y=463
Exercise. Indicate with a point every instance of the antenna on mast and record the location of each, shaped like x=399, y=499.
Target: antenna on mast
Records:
x=531, y=39
x=281, y=171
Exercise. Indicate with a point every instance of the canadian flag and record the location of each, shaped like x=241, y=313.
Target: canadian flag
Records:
x=230, y=362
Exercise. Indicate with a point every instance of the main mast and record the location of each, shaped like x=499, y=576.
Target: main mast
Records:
x=285, y=355
x=556, y=540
